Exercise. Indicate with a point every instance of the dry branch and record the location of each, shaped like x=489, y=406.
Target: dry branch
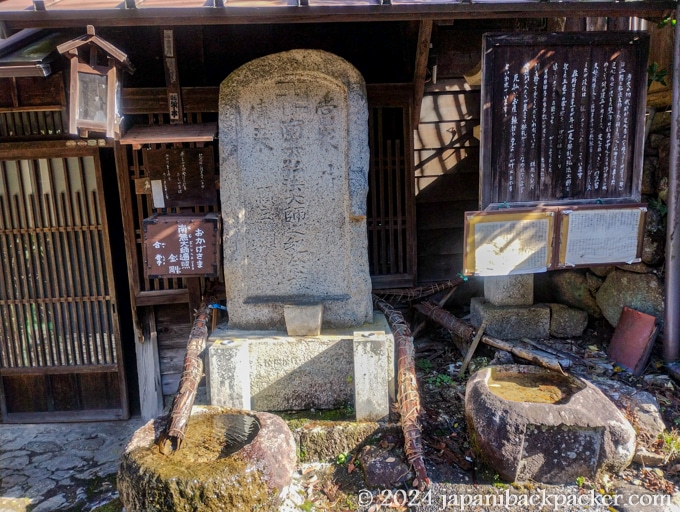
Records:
x=411, y=294
x=408, y=396
x=171, y=438
x=467, y=332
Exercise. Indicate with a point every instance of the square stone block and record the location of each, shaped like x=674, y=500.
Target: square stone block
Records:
x=511, y=322
x=509, y=290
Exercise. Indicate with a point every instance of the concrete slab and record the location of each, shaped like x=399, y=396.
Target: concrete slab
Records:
x=293, y=372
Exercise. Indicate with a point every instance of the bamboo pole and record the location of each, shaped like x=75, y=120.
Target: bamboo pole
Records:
x=171, y=438
x=467, y=332
x=408, y=397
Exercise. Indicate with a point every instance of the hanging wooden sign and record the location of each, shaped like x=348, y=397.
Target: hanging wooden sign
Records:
x=182, y=245
x=181, y=176
x=563, y=117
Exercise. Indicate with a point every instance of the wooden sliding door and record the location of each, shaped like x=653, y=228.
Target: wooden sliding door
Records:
x=60, y=355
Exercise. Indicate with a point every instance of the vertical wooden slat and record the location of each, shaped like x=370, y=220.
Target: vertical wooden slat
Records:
x=6, y=336
x=9, y=252
x=4, y=131
x=34, y=257
x=42, y=127
x=29, y=277
x=381, y=195
x=70, y=308
x=373, y=226
x=71, y=253
x=399, y=172
x=30, y=352
x=53, y=220
x=389, y=208
x=48, y=266
x=49, y=123
x=84, y=255
x=103, y=306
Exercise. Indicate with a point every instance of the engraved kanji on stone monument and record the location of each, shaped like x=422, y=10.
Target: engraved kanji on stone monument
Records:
x=293, y=171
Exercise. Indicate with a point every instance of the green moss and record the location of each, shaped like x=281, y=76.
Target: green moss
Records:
x=111, y=506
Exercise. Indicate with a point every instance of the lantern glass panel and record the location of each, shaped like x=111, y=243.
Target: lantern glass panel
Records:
x=92, y=97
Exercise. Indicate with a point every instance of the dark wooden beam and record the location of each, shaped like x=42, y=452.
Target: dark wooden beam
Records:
x=172, y=83
x=420, y=70
x=230, y=15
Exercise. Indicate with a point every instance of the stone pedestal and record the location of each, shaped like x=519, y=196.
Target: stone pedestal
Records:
x=279, y=372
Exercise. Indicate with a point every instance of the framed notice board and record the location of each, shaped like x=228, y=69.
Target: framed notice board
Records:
x=522, y=241
x=181, y=176
x=507, y=242
x=563, y=117
x=182, y=245
x=596, y=235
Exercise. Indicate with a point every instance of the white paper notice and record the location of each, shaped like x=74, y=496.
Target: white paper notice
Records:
x=602, y=236
x=511, y=247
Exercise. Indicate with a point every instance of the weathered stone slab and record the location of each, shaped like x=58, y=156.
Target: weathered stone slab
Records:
x=580, y=434
x=228, y=374
x=293, y=173
x=296, y=373
x=511, y=322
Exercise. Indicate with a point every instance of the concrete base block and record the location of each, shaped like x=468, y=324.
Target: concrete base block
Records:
x=287, y=373
x=371, y=400
x=509, y=290
x=228, y=378
x=511, y=322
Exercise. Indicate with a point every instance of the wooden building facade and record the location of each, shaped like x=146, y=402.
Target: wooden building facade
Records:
x=83, y=333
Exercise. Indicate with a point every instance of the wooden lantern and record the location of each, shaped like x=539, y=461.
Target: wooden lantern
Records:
x=94, y=90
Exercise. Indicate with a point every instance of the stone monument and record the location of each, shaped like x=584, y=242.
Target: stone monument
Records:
x=293, y=180
x=294, y=156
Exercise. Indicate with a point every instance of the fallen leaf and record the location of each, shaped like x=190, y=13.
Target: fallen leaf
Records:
x=350, y=467
x=390, y=459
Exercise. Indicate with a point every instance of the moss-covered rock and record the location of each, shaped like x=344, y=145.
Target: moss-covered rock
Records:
x=204, y=474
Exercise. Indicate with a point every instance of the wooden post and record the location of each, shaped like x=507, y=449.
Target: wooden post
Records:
x=420, y=72
x=671, y=342
x=148, y=368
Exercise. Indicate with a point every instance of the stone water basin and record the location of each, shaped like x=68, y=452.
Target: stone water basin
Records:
x=229, y=460
x=529, y=423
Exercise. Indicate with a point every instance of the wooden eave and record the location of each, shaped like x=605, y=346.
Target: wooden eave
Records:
x=17, y=14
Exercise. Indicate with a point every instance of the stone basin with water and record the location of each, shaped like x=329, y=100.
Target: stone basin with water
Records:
x=529, y=423
x=229, y=460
